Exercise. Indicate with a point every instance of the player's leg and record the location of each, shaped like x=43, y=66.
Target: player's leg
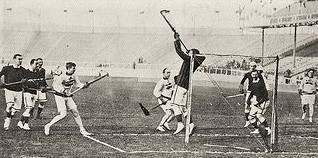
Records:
x=304, y=106
x=167, y=112
x=263, y=123
x=178, y=100
x=62, y=112
x=247, y=110
x=41, y=102
x=253, y=119
x=76, y=115
x=29, y=102
x=311, y=102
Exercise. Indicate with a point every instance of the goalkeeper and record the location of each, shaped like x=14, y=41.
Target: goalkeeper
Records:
x=179, y=96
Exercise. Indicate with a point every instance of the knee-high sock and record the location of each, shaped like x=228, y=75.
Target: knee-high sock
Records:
x=311, y=110
x=304, y=108
x=79, y=122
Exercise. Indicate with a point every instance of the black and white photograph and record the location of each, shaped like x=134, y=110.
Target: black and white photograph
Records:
x=158, y=78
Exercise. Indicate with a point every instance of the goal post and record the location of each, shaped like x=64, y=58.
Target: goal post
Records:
x=274, y=123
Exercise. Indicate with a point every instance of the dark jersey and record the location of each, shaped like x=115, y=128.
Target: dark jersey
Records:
x=42, y=83
x=31, y=86
x=12, y=75
x=259, y=90
x=247, y=76
x=182, y=79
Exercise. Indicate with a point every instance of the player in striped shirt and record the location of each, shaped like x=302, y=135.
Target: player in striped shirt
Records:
x=307, y=89
x=63, y=84
x=163, y=91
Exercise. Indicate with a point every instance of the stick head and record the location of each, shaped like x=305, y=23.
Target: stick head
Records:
x=144, y=110
x=164, y=11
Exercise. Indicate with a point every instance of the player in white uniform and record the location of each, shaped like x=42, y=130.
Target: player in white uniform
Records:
x=63, y=84
x=163, y=91
x=307, y=90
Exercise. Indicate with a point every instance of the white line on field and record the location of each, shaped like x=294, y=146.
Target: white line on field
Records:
x=179, y=135
x=100, y=142
x=302, y=137
x=222, y=146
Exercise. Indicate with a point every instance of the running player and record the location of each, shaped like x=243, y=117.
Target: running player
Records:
x=63, y=84
x=41, y=96
x=29, y=94
x=179, y=96
x=258, y=101
x=13, y=92
x=248, y=77
x=163, y=91
x=307, y=90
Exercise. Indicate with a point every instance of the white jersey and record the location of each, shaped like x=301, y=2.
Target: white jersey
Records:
x=163, y=88
x=64, y=83
x=308, y=85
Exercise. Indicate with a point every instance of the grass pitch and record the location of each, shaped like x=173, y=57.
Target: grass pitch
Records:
x=109, y=109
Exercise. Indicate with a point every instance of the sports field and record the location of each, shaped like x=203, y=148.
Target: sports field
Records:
x=110, y=110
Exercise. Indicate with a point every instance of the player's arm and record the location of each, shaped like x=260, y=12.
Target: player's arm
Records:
x=78, y=83
x=241, y=86
x=300, y=88
x=179, y=51
x=157, y=92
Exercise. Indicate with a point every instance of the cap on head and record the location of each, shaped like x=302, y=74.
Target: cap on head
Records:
x=260, y=68
x=252, y=63
x=195, y=51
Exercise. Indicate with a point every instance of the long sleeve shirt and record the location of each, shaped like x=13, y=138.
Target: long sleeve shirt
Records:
x=11, y=75
x=182, y=79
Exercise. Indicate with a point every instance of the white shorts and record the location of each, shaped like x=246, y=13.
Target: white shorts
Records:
x=63, y=102
x=13, y=97
x=29, y=100
x=247, y=107
x=41, y=97
x=166, y=106
x=258, y=109
x=179, y=96
x=308, y=99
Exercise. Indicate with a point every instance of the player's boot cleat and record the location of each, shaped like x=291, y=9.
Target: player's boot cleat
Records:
x=166, y=125
x=310, y=119
x=247, y=123
x=26, y=126
x=160, y=128
x=191, y=126
x=255, y=132
x=6, y=123
x=47, y=130
x=180, y=127
x=20, y=124
x=304, y=115
x=85, y=133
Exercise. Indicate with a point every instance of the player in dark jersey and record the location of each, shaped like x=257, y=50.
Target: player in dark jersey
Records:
x=179, y=96
x=258, y=100
x=249, y=79
x=41, y=96
x=29, y=94
x=13, y=92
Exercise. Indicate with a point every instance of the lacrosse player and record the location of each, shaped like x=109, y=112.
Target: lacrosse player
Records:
x=63, y=85
x=258, y=101
x=163, y=91
x=41, y=96
x=179, y=96
x=29, y=94
x=248, y=77
x=307, y=90
x=13, y=93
